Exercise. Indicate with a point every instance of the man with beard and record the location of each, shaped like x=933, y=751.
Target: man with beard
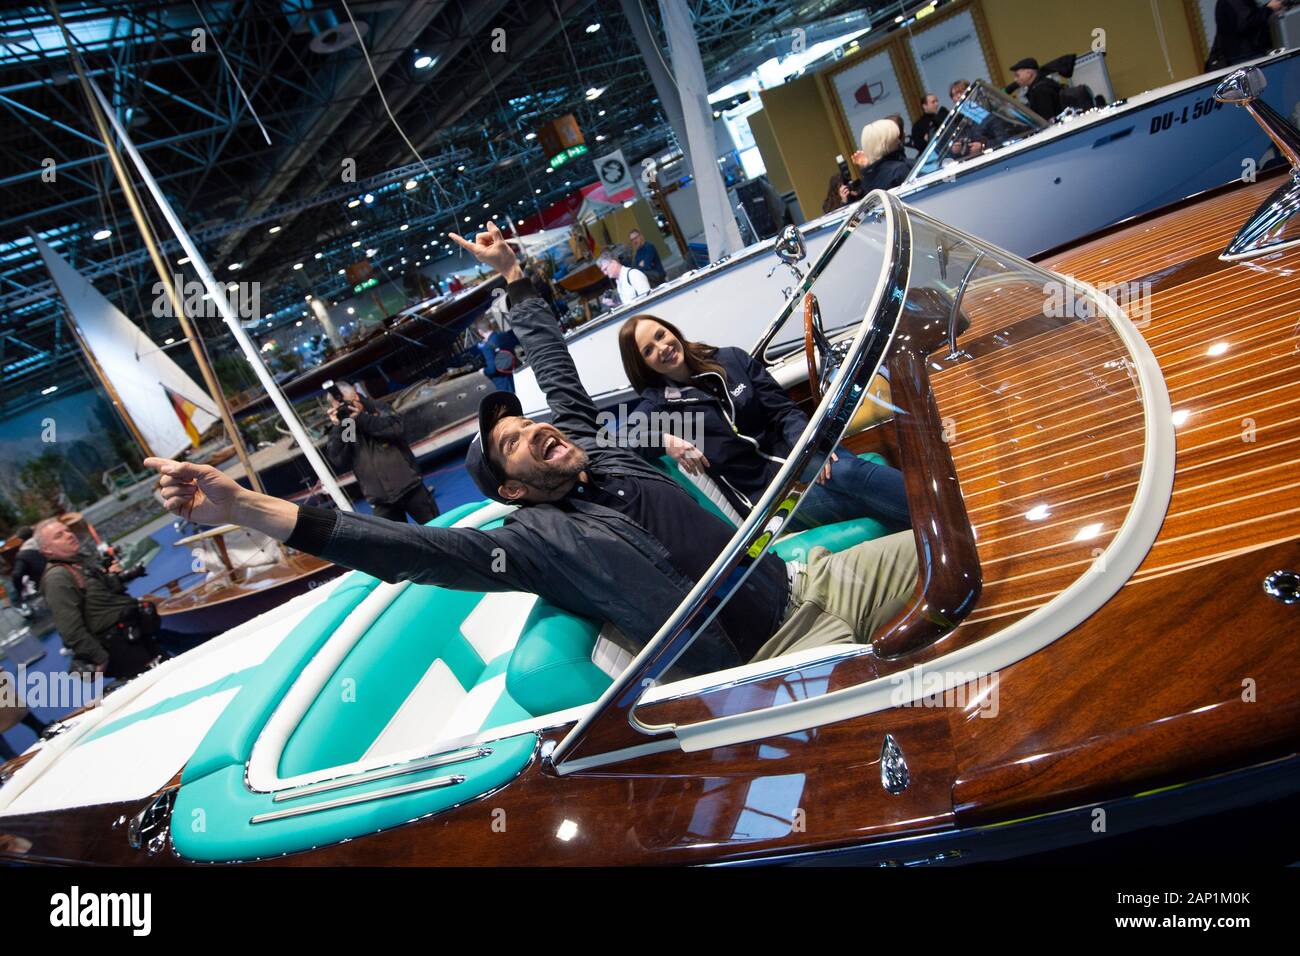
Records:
x=599, y=531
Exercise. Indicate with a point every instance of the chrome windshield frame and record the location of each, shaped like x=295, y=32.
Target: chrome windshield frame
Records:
x=851, y=222
x=613, y=712
x=951, y=119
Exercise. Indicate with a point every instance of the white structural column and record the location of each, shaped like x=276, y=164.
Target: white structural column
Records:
x=720, y=230
x=223, y=306
x=326, y=322
x=657, y=66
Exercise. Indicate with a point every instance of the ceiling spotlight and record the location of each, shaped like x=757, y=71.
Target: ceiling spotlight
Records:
x=593, y=27
x=369, y=198
x=308, y=299
x=273, y=230
x=181, y=262
x=356, y=243
x=549, y=171
x=235, y=266
x=537, y=192
x=354, y=203
x=467, y=218
x=371, y=252
x=299, y=322
x=594, y=92
x=425, y=61
x=460, y=169
x=600, y=137
x=601, y=113
x=411, y=184
x=231, y=286
x=102, y=234
x=320, y=255
x=51, y=389
x=354, y=222
x=340, y=273
x=297, y=265
x=485, y=205
x=403, y=227
x=351, y=311
x=531, y=136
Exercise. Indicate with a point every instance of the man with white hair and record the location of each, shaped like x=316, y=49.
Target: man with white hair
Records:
x=631, y=283
x=880, y=170
x=97, y=620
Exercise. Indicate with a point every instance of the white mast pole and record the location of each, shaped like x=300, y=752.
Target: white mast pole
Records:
x=223, y=305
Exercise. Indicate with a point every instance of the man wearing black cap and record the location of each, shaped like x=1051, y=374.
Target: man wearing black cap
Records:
x=599, y=531
x=1042, y=93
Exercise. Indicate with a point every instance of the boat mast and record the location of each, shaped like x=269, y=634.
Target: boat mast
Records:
x=214, y=290
x=160, y=266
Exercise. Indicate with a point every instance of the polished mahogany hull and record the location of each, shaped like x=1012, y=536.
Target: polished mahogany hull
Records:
x=1187, y=678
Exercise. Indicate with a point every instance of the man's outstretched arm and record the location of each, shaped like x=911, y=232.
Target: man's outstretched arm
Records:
x=464, y=559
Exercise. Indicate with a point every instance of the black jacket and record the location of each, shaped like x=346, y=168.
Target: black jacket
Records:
x=86, y=603
x=925, y=127
x=1044, y=97
x=1241, y=30
x=746, y=424
x=885, y=173
x=379, y=455
x=583, y=557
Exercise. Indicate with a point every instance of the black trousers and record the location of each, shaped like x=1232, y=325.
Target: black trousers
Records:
x=418, y=503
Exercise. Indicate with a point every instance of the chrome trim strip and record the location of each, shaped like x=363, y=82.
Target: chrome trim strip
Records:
x=380, y=773
x=433, y=784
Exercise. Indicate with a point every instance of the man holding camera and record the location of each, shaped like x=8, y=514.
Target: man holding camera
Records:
x=106, y=629
x=366, y=438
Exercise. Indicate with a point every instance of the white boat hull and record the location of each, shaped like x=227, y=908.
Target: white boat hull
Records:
x=1072, y=179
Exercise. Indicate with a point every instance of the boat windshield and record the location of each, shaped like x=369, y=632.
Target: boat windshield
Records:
x=1012, y=406
x=985, y=119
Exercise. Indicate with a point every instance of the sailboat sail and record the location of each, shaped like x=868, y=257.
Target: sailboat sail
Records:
x=152, y=387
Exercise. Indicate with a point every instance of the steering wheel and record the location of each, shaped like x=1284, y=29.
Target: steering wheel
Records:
x=816, y=344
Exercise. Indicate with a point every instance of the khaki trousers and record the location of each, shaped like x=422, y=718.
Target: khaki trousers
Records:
x=843, y=597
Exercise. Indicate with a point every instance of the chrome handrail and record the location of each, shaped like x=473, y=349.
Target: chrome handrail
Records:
x=613, y=711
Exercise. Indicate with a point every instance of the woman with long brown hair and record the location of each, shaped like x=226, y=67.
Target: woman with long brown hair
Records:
x=744, y=424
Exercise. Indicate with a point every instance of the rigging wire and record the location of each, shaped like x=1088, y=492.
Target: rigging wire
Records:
x=222, y=53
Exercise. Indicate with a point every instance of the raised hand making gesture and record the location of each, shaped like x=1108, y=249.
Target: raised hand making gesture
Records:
x=492, y=248
x=206, y=495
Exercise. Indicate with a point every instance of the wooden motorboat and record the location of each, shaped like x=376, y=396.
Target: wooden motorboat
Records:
x=1105, y=618
x=399, y=351
x=234, y=588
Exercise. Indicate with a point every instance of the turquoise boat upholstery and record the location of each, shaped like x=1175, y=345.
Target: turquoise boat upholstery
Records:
x=435, y=667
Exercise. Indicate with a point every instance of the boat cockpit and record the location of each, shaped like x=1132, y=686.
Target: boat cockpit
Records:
x=983, y=120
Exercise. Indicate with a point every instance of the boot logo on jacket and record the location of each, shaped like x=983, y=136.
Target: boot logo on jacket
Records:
x=735, y=392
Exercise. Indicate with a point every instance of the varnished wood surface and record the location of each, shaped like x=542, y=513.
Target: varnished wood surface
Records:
x=1190, y=670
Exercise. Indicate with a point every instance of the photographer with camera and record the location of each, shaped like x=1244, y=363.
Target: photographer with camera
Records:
x=366, y=437
x=106, y=629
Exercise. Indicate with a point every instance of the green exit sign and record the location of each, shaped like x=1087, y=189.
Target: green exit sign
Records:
x=362, y=286
x=573, y=152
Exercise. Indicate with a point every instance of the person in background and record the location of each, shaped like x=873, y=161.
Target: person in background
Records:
x=932, y=117
x=646, y=258
x=365, y=437
x=881, y=168
x=902, y=135
x=631, y=283
x=957, y=90
x=496, y=347
x=454, y=284
x=1042, y=93
x=106, y=629
x=29, y=565
x=1241, y=31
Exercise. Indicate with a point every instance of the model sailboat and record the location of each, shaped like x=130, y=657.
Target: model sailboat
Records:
x=236, y=575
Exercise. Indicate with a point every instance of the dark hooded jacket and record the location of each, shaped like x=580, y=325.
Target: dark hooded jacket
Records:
x=746, y=425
